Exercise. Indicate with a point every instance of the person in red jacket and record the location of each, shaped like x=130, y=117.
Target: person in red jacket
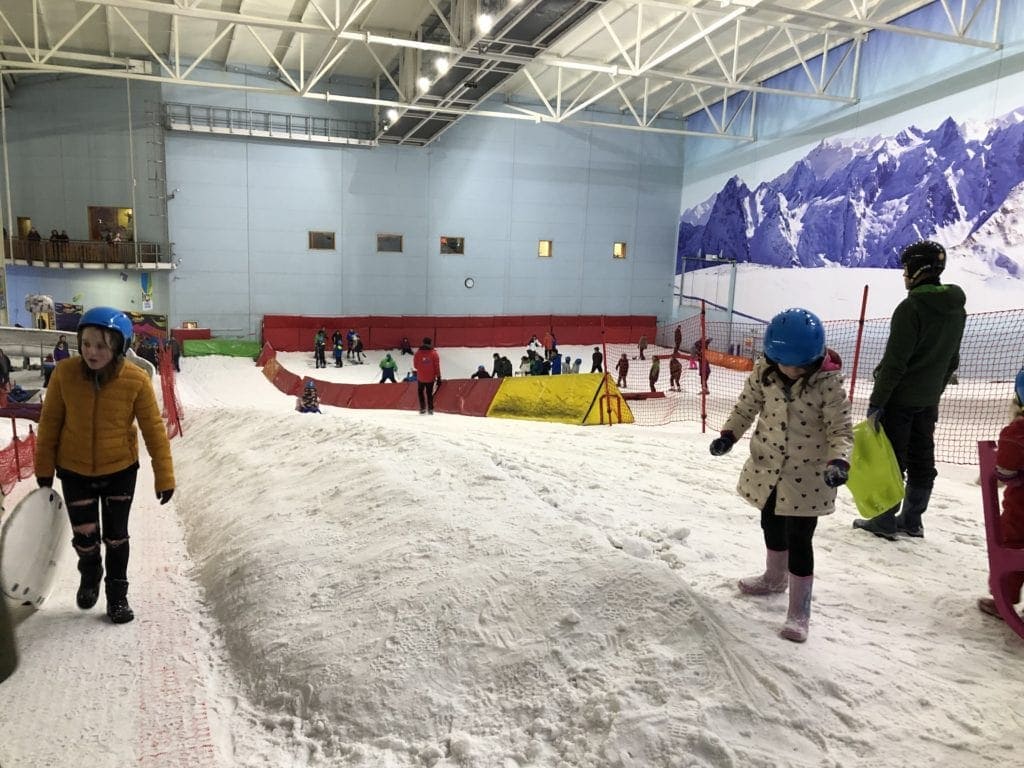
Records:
x=1010, y=472
x=428, y=374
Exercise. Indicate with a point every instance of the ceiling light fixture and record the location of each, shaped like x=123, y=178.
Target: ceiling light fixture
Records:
x=392, y=114
x=423, y=84
x=441, y=64
x=484, y=22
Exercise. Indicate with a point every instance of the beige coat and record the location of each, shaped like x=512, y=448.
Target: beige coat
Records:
x=797, y=434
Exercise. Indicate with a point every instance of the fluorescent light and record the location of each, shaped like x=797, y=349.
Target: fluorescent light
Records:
x=423, y=84
x=484, y=22
x=392, y=114
x=441, y=64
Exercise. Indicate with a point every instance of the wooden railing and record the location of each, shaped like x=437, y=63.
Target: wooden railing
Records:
x=45, y=253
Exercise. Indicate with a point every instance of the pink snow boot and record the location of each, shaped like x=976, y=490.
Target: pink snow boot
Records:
x=799, y=615
x=773, y=580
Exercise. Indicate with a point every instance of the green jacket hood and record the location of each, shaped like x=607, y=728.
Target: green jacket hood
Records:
x=939, y=299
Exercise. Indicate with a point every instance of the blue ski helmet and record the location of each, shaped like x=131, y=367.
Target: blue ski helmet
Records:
x=1018, y=387
x=109, y=319
x=310, y=384
x=794, y=337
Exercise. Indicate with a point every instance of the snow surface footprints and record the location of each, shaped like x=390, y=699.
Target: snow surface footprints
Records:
x=581, y=660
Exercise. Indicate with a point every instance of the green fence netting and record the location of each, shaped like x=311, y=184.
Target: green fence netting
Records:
x=229, y=347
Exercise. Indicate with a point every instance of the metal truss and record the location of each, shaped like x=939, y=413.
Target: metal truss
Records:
x=628, y=64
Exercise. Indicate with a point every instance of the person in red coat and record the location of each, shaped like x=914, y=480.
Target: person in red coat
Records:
x=428, y=374
x=1010, y=471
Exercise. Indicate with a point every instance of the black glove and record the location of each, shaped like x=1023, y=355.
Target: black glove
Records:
x=875, y=413
x=165, y=496
x=722, y=445
x=44, y=482
x=836, y=473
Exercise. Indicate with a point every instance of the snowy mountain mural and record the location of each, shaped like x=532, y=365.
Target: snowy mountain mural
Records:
x=857, y=203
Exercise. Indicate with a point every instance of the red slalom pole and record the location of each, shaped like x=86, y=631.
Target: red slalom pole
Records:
x=860, y=338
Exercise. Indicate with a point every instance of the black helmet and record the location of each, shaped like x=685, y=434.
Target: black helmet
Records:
x=925, y=258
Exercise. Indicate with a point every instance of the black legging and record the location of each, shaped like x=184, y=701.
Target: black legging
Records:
x=105, y=491
x=783, y=532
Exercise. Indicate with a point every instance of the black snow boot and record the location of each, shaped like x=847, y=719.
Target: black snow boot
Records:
x=117, y=601
x=915, y=502
x=883, y=526
x=91, y=568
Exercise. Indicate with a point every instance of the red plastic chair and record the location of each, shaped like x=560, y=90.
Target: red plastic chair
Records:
x=1002, y=561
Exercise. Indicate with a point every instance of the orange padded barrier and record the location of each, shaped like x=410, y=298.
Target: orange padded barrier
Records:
x=734, y=362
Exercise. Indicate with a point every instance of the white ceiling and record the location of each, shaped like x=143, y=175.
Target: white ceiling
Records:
x=654, y=61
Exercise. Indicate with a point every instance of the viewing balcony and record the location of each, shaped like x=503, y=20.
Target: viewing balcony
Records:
x=86, y=254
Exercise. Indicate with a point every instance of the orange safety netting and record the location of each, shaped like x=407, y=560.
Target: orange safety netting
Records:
x=974, y=407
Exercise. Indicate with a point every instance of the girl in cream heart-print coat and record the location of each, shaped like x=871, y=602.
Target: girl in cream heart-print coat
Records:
x=799, y=454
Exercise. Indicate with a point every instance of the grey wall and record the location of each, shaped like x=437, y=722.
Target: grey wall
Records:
x=241, y=218
x=68, y=148
x=68, y=144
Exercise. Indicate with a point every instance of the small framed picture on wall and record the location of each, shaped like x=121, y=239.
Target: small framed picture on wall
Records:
x=389, y=243
x=321, y=241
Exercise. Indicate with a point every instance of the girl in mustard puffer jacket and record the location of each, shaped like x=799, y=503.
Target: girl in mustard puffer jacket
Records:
x=87, y=437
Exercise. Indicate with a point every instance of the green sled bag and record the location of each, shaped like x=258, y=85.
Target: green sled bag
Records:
x=875, y=482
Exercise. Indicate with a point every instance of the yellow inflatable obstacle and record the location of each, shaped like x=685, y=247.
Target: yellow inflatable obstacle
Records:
x=581, y=398
x=875, y=482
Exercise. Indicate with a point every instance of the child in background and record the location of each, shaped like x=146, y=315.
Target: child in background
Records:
x=1010, y=472
x=675, y=373
x=320, y=348
x=388, y=368
x=655, y=372
x=309, y=402
x=622, y=367
x=339, y=350
x=799, y=454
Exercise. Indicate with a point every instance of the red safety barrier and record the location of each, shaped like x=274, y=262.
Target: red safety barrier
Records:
x=282, y=321
x=505, y=335
x=266, y=354
x=391, y=338
x=286, y=339
x=386, y=331
x=467, y=397
x=465, y=337
x=398, y=397
x=339, y=395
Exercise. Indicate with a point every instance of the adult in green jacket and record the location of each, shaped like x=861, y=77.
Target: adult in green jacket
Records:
x=921, y=356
